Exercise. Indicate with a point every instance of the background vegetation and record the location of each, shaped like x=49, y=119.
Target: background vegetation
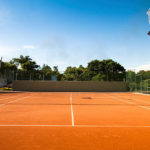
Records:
x=24, y=68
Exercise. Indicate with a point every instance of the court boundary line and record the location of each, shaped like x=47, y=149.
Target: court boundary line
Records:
x=34, y=125
x=72, y=114
x=141, y=94
x=117, y=98
x=9, y=97
x=18, y=99
x=115, y=126
x=137, y=100
x=87, y=126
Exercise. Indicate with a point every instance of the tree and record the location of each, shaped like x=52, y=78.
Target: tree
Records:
x=130, y=76
x=107, y=70
x=26, y=63
x=81, y=73
x=56, y=73
x=75, y=74
x=97, y=70
x=69, y=74
x=26, y=67
x=46, y=72
x=145, y=74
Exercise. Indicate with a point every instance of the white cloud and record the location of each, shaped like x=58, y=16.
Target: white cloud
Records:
x=11, y=51
x=29, y=47
x=141, y=67
x=7, y=52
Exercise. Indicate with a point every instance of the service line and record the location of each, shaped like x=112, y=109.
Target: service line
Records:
x=83, y=126
x=72, y=115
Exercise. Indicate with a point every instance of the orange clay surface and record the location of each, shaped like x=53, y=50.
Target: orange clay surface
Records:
x=74, y=121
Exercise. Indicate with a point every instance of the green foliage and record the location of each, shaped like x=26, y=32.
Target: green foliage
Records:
x=46, y=72
x=75, y=74
x=56, y=73
x=107, y=70
x=26, y=63
x=70, y=74
x=137, y=81
x=130, y=76
x=7, y=70
x=97, y=77
x=145, y=74
x=24, y=68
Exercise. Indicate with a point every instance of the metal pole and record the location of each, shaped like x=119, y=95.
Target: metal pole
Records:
x=141, y=84
x=13, y=75
x=107, y=75
x=16, y=75
x=43, y=76
x=135, y=83
x=147, y=86
x=30, y=75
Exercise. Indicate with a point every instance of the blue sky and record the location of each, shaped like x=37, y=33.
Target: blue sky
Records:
x=73, y=32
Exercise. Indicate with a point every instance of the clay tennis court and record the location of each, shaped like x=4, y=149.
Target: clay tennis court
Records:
x=70, y=121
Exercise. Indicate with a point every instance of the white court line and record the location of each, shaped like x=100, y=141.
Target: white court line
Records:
x=72, y=116
x=87, y=126
x=113, y=126
x=14, y=101
x=8, y=97
x=142, y=94
x=26, y=125
x=139, y=101
x=145, y=101
x=141, y=106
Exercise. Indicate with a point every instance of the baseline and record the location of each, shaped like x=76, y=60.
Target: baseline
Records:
x=88, y=126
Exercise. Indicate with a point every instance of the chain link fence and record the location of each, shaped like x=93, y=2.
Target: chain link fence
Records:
x=6, y=77
x=139, y=85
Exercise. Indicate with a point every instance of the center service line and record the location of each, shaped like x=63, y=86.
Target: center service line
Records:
x=72, y=116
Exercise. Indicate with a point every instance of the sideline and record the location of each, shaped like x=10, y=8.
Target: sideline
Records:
x=116, y=98
x=18, y=99
x=72, y=115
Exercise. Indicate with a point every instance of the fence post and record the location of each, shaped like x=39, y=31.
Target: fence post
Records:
x=16, y=75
